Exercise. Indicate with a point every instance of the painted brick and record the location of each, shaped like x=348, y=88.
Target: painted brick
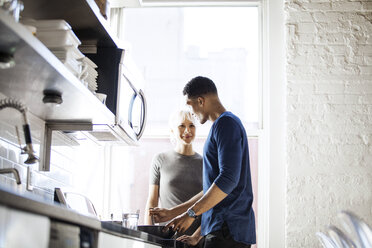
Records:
x=305, y=38
x=320, y=6
x=329, y=114
x=326, y=17
x=364, y=49
x=366, y=70
x=358, y=89
x=296, y=17
x=347, y=6
x=306, y=27
x=367, y=5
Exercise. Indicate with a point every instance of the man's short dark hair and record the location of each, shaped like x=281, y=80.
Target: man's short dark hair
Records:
x=199, y=86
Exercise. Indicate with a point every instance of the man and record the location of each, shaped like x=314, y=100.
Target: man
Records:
x=226, y=201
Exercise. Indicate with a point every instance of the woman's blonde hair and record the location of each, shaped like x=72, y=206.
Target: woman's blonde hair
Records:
x=178, y=115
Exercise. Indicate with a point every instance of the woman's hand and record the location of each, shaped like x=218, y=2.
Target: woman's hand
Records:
x=161, y=214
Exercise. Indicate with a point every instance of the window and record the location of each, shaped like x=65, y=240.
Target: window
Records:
x=170, y=46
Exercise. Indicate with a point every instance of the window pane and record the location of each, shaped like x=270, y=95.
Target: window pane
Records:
x=172, y=45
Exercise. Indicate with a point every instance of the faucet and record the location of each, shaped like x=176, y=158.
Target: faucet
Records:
x=14, y=171
x=12, y=103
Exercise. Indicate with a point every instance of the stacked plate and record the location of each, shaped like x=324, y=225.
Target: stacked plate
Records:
x=58, y=36
x=89, y=74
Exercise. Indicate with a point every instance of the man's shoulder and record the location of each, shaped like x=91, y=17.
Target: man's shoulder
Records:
x=228, y=119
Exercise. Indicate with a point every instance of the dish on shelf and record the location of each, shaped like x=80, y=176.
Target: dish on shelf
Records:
x=67, y=52
x=57, y=24
x=58, y=38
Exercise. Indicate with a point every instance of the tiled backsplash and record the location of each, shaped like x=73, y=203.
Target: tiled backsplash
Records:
x=43, y=183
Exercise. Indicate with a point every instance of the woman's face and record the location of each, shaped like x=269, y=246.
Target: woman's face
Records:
x=184, y=132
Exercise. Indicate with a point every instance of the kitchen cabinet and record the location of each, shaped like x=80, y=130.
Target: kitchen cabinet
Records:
x=38, y=73
x=108, y=240
x=15, y=229
x=37, y=70
x=58, y=226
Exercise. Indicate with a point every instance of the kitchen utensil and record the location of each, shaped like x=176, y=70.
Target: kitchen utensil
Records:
x=12, y=7
x=157, y=231
x=101, y=97
x=75, y=201
x=130, y=220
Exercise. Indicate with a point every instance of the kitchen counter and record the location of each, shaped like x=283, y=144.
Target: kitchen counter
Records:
x=33, y=204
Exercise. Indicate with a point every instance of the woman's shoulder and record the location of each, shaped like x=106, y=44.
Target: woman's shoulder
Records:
x=164, y=155
x=198, y=156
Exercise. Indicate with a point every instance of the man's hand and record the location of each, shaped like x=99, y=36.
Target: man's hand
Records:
x=192, y=240
x=161, y=214
x=181, y=223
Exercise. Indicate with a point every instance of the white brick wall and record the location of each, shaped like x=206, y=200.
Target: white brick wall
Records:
x=329, y=115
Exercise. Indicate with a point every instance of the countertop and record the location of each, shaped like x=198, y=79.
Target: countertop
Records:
x=31, y=203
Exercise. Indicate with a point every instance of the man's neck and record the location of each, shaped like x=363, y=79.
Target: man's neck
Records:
x=218, y=109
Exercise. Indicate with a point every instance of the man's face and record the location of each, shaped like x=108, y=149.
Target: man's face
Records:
x=196, y=107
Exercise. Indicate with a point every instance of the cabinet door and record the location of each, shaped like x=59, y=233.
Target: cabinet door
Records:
x=19, y=229
x=108, y=240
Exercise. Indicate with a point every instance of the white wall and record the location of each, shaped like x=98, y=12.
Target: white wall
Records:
x=329, y=113
x=273, y=154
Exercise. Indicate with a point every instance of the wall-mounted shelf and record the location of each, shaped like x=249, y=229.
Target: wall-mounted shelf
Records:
x=83, y=15
x=36, y=70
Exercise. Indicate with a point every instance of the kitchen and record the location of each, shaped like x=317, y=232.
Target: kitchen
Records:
x=303, y=98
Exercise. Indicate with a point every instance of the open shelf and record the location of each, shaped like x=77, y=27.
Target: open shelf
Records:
x=83, y=15
x=37, y=69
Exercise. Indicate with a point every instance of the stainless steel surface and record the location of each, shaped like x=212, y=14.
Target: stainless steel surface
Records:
x=28, y=202
x=48, y=132
x=31, y=203
x=12, y=170
x=157, y=231
x=83, y=15
x=36, y=70
x=22, y=229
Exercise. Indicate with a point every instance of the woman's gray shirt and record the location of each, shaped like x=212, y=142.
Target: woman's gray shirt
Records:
x=179, y=177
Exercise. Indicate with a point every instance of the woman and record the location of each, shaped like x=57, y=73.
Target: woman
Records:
x=176, y=175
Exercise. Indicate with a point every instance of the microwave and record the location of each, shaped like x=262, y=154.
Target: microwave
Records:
x=122, y=82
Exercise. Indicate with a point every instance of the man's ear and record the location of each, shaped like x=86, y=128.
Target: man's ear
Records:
x=201, y=100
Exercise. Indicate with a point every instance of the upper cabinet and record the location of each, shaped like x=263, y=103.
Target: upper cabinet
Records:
x=38, y=73
x=84, y=16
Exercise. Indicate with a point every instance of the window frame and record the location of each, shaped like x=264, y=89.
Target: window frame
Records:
x=265, y=238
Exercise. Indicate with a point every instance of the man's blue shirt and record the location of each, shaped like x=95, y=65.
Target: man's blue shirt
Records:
x=226, y=163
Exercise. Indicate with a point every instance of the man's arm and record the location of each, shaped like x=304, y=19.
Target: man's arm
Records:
x=162, y=214
x=213, y=196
